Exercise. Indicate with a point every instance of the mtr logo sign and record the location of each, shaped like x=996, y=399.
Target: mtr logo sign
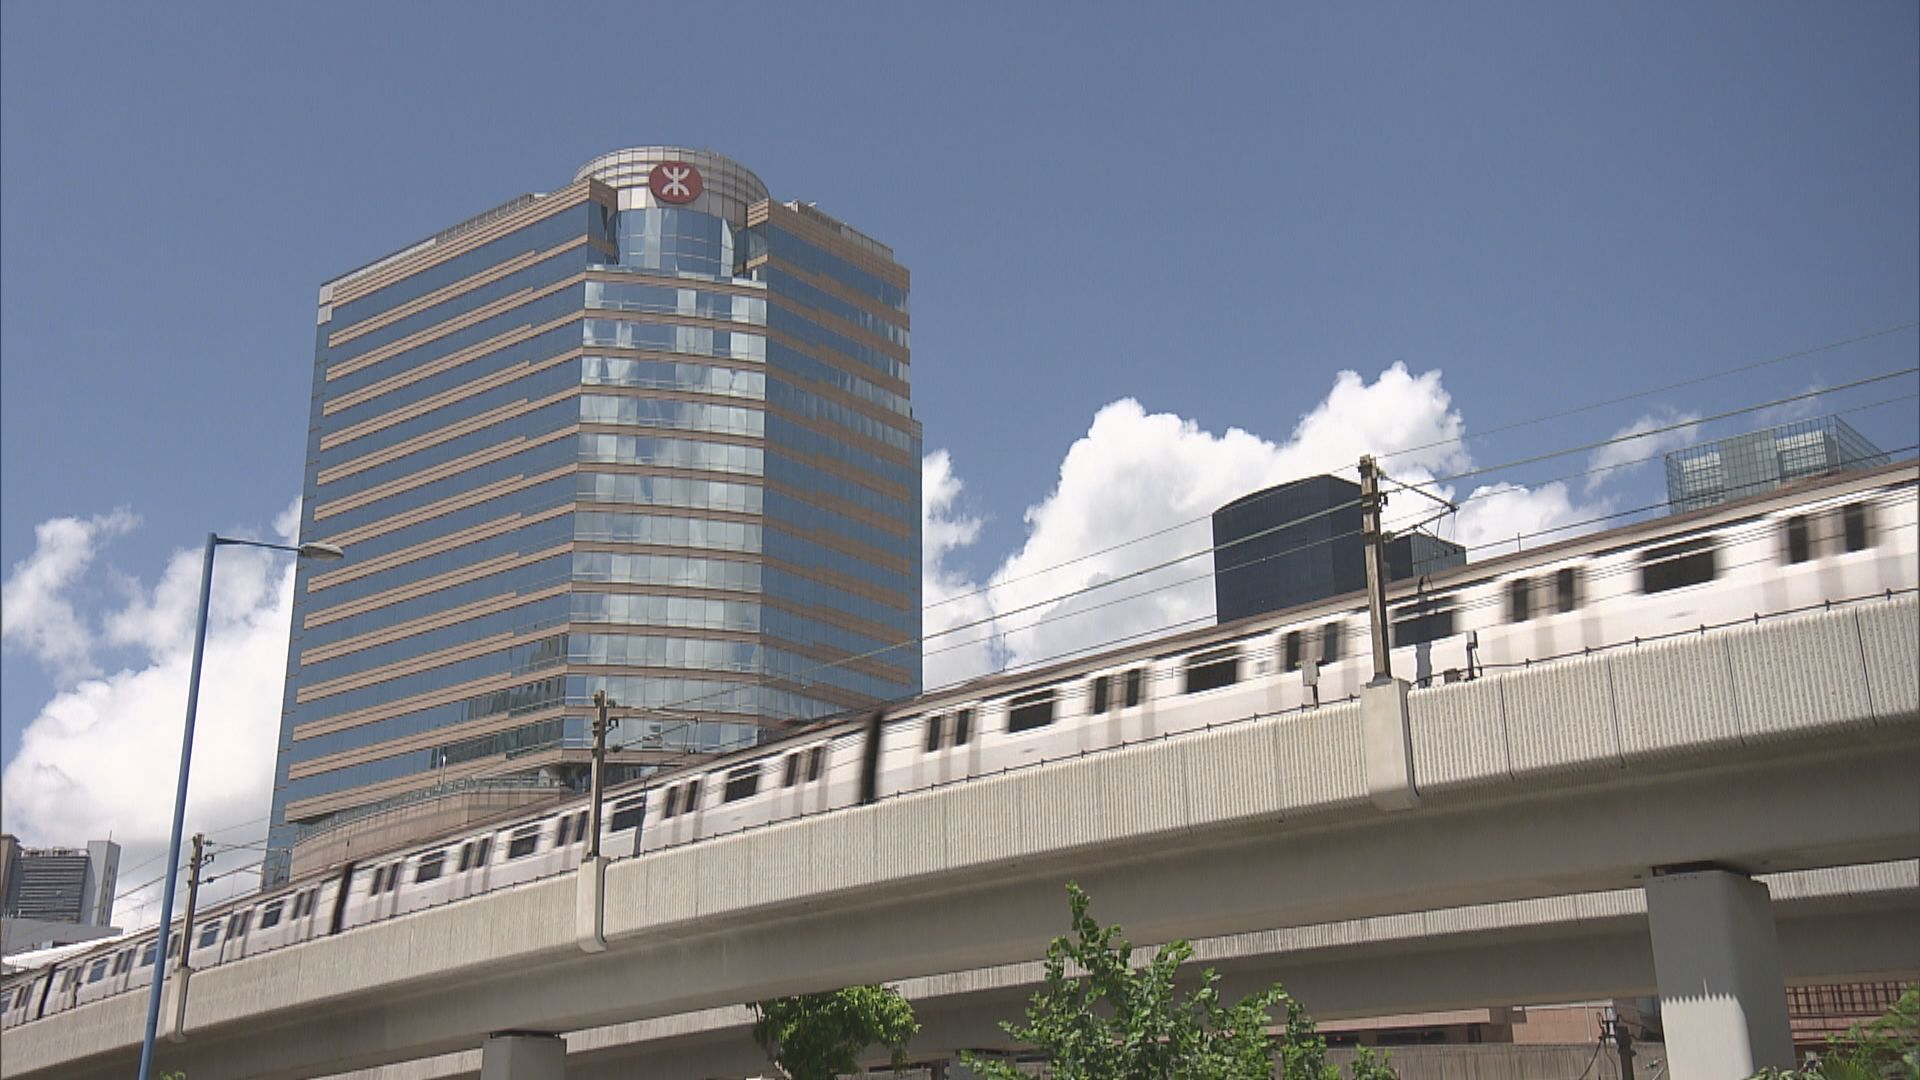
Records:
x=674, y=182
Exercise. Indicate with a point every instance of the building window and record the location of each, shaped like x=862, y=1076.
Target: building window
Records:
x=1676, y=566
x=934, y=724
x=1102, y=693
x=1799, y=542
x=1853, y=526
x=1519, y=600
x=962, y=727
x=1136, y=687
x=1294, y=645
x=1566, y=589
x=1029, y=711
x=1213, y=670
x=742, y=783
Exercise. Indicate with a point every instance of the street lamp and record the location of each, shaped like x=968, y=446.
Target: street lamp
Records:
x=214, y=540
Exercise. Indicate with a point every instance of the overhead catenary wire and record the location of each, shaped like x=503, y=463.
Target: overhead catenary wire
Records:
x=1452, y=440
x=1135, y=574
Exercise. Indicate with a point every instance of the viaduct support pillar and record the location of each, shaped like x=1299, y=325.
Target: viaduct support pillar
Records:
x=1716, y=959
x=523, y=1055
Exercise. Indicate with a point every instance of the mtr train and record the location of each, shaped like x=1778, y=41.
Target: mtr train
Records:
x=1844, y=537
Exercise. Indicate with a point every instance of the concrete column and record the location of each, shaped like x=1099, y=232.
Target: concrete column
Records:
x=1387, y=745
x=522, y=1055
x=1716, y=959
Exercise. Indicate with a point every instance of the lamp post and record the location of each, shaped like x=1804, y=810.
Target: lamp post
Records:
x=214, y=540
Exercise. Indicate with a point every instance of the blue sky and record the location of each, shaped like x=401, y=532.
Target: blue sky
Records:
x=1211, y=210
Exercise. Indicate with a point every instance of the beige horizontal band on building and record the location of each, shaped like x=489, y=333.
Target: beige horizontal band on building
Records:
x=402, y=484
x=441, y=295
x=365, y=283
x=464, y=320
x=446, y=617
x=473, y=572
x=484, y=530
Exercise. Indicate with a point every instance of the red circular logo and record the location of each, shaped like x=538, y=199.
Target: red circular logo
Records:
x=674, y=182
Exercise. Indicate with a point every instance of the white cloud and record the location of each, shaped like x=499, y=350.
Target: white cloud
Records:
x=1136, y=474
x=36, y=613
x=947, y=592
x=102, y=756
x=1650, y=436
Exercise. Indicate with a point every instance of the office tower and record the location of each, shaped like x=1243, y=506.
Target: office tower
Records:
x=1299, y=542
x=56, y=894
x=1756, y=462
x=650, y=433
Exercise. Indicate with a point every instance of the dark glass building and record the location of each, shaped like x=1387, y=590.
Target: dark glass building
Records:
x=1299, y=542
x=1756, y=462
x=651, y=433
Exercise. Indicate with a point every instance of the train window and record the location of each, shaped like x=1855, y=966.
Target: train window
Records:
x=693, y=796
x=99, y=969
x=1853, y=526
x=379, y=879
x=962, y=727
x=466, y=857
x=1566, y=589
x=1294, y=648
x=628, y=813
x=563, y=831
x=209, y=933
x=790, y=775
x=270, y=915
x=1676, y=566
x=1330, y=642
x=1136, y=687
x=393, y=876
x=673, y=803
x=580, y=827
x=816, y=763
x=479, y=855
x=742, y=783
x=934, y=725
x=1029, y=711
x=1418, y=624
x=1799, y=541
x=173, y=946
x=303, y=904
x=1102, y=693
x=430, y=867
x=240, y=924
x=1519, y=600
x=523, y=844
x=146, y=954
x=1213, y=670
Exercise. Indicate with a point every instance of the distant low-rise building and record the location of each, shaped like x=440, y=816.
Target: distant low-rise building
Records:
x=53, y=896
x=1299, y=542
x=1756, y=462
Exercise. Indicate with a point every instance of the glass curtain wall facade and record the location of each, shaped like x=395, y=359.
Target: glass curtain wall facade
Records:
x=1759, y=461
x=651, y=434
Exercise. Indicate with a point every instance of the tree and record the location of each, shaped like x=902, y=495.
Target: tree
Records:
x=1887, y=1049
x=1119, y=1022
x=820, y=1036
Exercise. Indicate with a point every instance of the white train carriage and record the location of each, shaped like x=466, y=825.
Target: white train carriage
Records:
x=1826, y=541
